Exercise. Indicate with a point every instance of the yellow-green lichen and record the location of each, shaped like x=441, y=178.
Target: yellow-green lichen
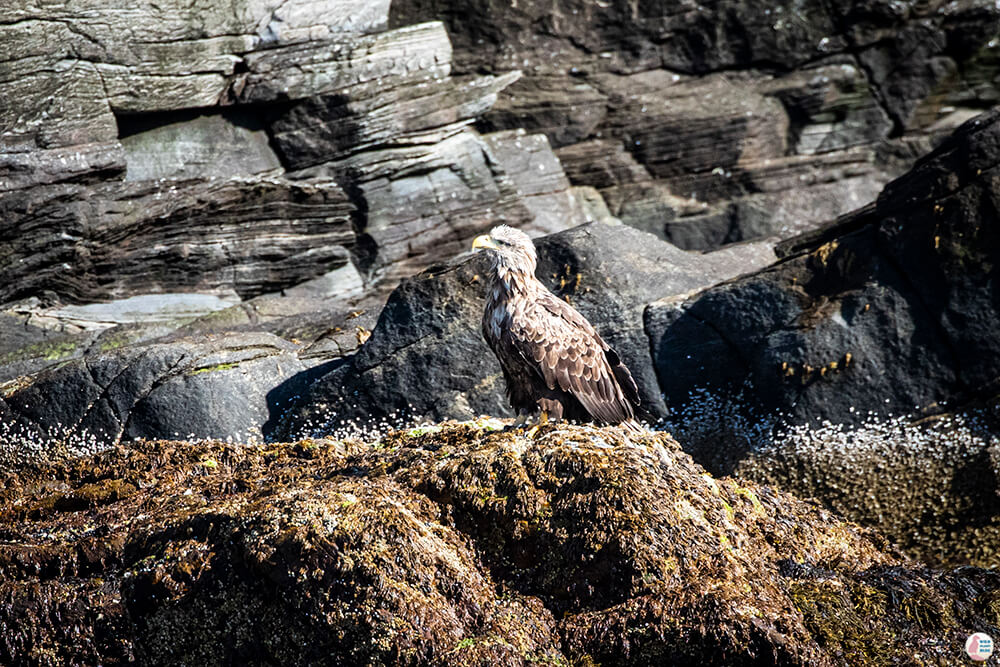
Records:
x=48, y=350
x=213, y=369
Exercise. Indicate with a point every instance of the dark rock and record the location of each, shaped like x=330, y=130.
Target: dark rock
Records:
x=427, y=358
x=723, y=35
x=709, y=99
x=791, y=374
x=891, y=310
x=567, y=112
x=227, y=387
x=458, y=546
x=704, y=162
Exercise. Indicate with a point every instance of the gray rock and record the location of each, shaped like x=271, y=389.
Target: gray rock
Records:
x=417, y=53
x=424, y=203
x=149, y=308
x=67, y=74
x=529, y=163
x=831, y=107
x=248, y=235
x=223, y=387
x=207, y=146
x=718, y=104
x=398, y=109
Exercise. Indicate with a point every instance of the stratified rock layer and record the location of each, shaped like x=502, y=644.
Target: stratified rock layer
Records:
x=457, y=546
x=307, y=131
x=707, y=123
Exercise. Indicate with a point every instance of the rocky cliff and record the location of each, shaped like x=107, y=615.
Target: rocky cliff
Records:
x=218, y=200
x=710, y=122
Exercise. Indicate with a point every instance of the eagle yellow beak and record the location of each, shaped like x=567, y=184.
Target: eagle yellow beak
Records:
x=484, y=242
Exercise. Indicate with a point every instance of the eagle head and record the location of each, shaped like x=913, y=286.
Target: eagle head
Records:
x=511, y=249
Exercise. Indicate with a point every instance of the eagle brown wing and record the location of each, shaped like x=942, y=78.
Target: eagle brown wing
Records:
x=570, y=355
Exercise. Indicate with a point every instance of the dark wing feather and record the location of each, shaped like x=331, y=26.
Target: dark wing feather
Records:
x=570, y=355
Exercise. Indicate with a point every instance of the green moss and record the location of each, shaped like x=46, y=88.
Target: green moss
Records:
x=114, y=341
x=422, y=430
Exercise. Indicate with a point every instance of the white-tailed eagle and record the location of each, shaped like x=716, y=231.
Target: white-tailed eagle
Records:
x=552, y=358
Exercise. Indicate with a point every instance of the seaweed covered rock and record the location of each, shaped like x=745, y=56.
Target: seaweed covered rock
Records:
x=932, y=487
x=453, y=545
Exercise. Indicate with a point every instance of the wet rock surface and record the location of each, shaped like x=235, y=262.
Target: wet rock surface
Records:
x=194, y=389
x=453, y=545
x=931, y=487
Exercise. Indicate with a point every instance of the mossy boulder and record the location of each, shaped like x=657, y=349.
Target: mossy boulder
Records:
x=458, y=545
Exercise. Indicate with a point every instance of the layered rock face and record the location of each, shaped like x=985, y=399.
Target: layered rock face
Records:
x=276, y=167
x=712, y=122
x=270, y=92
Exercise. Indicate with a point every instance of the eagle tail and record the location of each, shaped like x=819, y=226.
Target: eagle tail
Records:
x=632, y=426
